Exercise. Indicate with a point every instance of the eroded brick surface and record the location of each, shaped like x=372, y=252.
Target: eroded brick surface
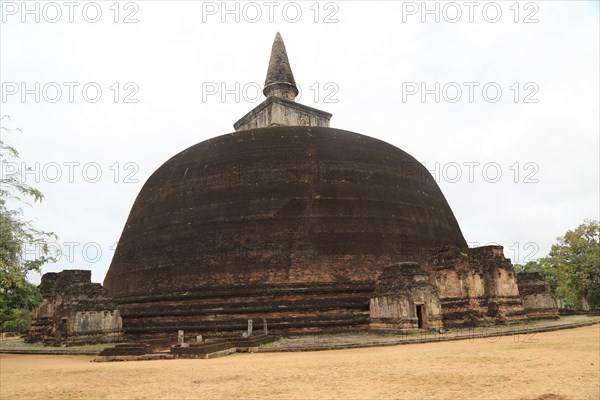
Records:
x=538, y=299
x=293, y=224
x=74, y=311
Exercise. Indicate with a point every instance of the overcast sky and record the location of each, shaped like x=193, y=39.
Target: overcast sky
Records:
x=513, y=138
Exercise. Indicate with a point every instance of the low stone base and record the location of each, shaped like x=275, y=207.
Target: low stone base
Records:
x=205, y=350
x=215, y=354
x=127, y=349
x=537, y=314
x=250, y=345
x=144, y=357
x=407, y=325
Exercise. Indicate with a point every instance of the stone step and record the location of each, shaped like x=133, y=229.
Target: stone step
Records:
x=356, y=303
x=274, y=325
x=254, y=291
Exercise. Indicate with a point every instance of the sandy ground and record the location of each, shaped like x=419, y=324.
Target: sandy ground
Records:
x=551, y=366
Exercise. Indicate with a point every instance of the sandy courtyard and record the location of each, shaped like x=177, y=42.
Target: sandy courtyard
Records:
x=555, y=365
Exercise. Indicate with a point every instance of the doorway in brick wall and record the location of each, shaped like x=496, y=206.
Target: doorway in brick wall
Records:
x=420, y=308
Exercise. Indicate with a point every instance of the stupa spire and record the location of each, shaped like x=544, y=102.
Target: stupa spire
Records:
x=280, y=108
x=280, y=79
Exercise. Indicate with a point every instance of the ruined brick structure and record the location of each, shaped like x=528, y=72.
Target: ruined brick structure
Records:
x=74, y=311
x=538, y=299
x=404, y=299
x=475, y=286
x=292, y=221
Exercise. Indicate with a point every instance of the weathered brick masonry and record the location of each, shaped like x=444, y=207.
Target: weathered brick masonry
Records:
x=292, y=221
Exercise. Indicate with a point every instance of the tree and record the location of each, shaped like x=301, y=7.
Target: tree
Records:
x=16, y=232
x=16, y=306
x=572, y=268
x=576, y=258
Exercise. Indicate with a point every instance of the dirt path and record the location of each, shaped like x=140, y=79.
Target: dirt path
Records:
x=550, y=366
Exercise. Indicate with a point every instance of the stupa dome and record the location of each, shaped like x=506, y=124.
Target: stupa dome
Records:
x=287, y=222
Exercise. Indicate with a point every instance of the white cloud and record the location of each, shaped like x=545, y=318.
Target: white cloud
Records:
x=369, y=54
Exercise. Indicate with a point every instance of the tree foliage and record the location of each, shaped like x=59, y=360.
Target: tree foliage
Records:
x=572, y=268
x=17, y=233
x=16, y=306
x=18, y=297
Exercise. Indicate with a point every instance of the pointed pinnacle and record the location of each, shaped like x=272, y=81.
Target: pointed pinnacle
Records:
x=280, y=79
